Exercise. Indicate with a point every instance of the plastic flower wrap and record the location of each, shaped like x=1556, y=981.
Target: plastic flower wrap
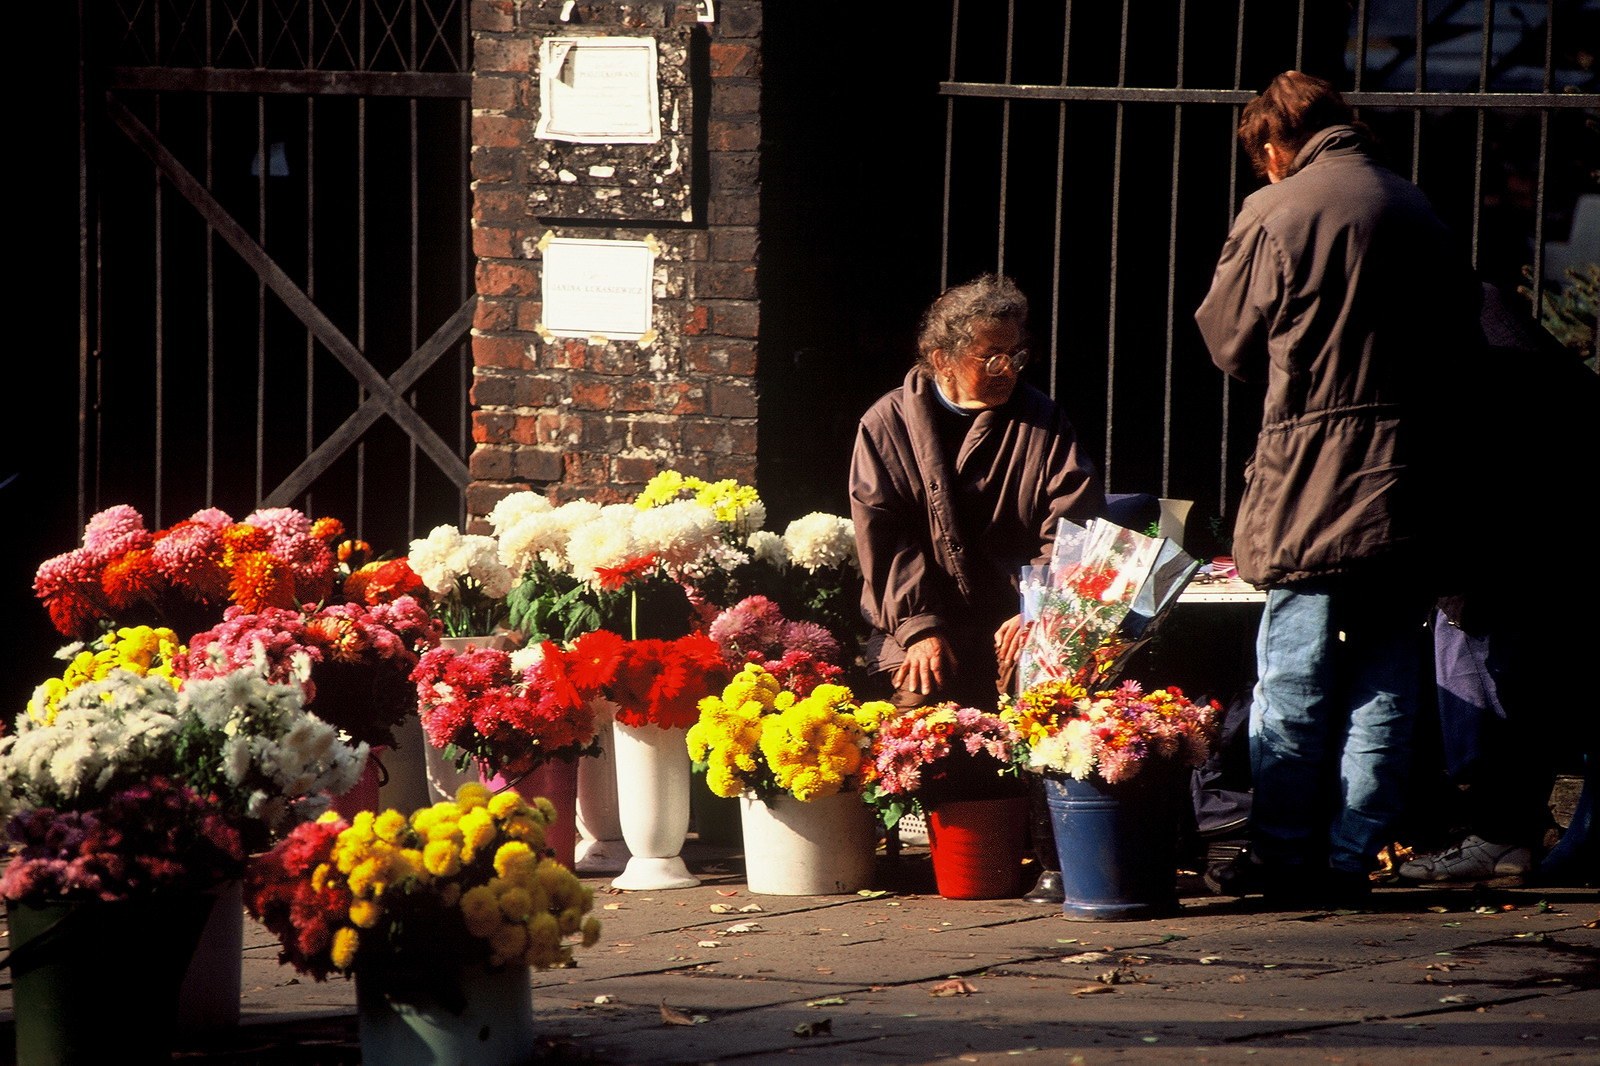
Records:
x=353, y=660
x=466, y=581
x=1113, y=733
x=761, y=739
x=1099, y=600
x=183, y=576
x=507, y=712
x=923, y=756
x=406, y=900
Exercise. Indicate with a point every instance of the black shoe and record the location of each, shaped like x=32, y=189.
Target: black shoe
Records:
x=1238, y=876
x=1047, y=889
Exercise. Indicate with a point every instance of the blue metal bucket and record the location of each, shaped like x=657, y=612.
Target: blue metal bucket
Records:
x=1118, y=843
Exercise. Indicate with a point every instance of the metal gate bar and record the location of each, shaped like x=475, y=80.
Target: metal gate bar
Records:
x=196, y=51
x=1117, y=97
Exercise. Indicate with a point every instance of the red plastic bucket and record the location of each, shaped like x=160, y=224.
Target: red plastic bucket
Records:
x=977, y=847
x=556, y=781
x=363, y=795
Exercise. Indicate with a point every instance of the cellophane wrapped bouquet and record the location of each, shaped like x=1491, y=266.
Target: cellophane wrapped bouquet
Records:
x=1098, y=601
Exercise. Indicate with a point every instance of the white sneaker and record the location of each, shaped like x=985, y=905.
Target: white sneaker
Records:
x=1474, y=859
x=913, y=829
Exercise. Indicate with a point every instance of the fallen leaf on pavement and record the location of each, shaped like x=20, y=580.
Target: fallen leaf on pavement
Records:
x=828, y=1001
x=1120, y=976
x=824, y=1027
x=1086, y=956
x=748, y=907
x=953, y=987
x=727, y=891
x=709, y=944
x=673, y=1016
x=744, y=927
x=1090, y=990
x=1207, y=960
x=722, y=908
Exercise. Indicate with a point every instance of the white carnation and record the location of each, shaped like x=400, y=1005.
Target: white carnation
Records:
x=768, y=547
x=515, y=507
x=605, y=542
x=821, y=540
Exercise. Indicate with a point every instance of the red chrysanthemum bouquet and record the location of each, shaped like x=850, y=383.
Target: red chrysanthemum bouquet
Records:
x=505, y=712
x=183, y=576
x=353, y=660
x=652, y=682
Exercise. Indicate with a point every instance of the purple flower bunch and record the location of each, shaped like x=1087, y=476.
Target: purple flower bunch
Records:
x=157, y=835
x=801, y=655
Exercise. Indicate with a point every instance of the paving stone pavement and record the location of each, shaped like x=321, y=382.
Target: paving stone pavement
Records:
x=899, y=975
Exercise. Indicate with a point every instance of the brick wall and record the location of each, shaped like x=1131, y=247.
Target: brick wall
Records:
x=589, y=418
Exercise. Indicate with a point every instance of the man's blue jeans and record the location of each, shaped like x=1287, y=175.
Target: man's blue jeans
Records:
x=1339, y=681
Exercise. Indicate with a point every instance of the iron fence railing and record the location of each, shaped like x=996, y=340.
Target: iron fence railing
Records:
x=1091, y=154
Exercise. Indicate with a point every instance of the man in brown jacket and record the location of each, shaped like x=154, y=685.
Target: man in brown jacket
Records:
x=1342, y=292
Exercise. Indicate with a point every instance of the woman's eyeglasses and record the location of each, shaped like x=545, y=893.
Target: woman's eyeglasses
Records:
x=995, y=365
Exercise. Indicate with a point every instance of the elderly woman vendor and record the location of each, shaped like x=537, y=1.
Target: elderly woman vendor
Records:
x=958, y=479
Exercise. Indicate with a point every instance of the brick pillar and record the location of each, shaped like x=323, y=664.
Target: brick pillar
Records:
x=576, y=417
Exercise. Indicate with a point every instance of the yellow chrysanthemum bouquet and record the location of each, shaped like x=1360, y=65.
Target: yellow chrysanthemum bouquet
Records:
x=410, y=901
x=144, y=651
x=757, y=738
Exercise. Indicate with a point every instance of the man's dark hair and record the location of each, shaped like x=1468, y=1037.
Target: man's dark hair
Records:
x=1287, y=113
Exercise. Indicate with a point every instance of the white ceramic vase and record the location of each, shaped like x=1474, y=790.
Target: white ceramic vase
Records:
x=652, y=766
x=600, y=848
x=821, y=847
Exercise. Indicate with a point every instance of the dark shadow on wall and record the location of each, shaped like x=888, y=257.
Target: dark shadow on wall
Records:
x=852, y=163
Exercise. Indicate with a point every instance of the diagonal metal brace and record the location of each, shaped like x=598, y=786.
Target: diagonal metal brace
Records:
x=385, y=397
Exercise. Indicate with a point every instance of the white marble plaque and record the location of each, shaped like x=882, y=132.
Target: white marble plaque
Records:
x=597, y=288
x=598, y=90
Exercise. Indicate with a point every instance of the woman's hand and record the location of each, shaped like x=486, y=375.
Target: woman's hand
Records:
x=1009, y=638
x=927, y=664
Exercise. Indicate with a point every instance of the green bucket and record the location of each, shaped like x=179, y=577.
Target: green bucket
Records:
x=97, y=982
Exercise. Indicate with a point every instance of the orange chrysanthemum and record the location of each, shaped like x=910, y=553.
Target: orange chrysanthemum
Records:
x=260, y=581
x=132, y=579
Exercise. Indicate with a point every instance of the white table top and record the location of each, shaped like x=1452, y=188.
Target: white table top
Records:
x=1227, y=590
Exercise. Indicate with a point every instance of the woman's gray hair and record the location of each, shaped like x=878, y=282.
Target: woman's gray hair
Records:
x=948, y=323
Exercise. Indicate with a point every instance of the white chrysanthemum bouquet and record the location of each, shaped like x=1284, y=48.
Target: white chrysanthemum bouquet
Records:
x=466, y=580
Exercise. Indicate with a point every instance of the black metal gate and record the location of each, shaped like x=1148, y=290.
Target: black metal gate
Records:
x=276, y=262
x=1090, y=153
